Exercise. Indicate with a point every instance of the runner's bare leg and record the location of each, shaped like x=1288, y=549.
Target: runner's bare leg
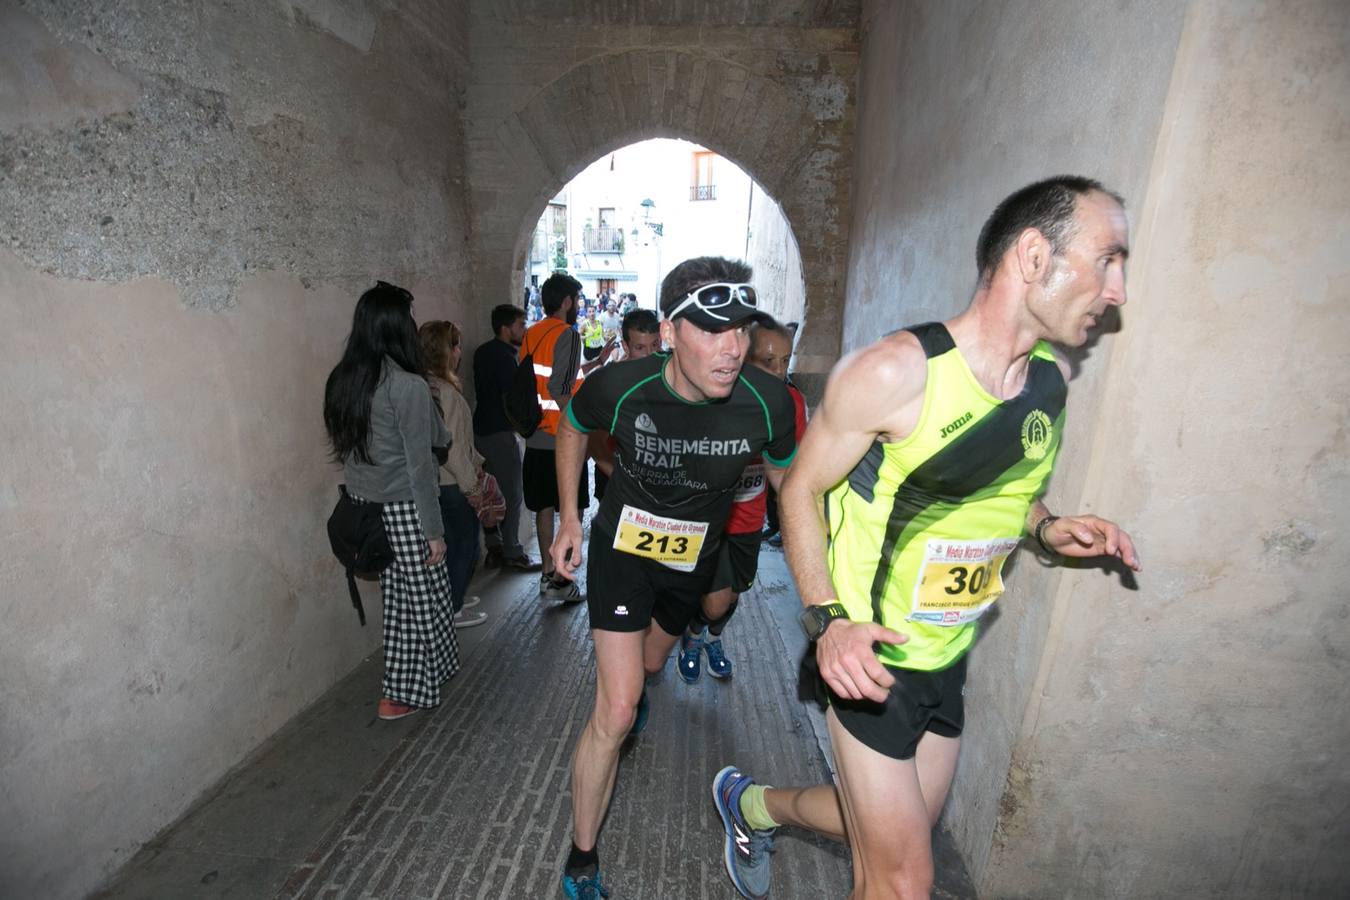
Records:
x=888, y=820
x=716, y=604
x=656, y=647
x=595, y=762
x=817, y=808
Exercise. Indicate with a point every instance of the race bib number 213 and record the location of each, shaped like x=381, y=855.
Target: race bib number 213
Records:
x=674, y=543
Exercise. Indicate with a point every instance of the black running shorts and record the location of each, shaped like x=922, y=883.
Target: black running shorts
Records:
x=626, y=592
x=737, y=563
x=919, y=702
x=539, y=479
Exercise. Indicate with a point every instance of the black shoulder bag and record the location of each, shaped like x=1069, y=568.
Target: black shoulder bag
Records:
x=356, y=534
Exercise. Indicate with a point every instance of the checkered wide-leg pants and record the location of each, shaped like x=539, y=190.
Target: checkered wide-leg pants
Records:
x=420, y=649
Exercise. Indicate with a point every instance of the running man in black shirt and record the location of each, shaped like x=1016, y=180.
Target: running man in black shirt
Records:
x=685, y=423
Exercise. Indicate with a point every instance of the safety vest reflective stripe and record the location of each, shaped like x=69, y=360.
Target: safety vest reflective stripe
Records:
x=539, y=342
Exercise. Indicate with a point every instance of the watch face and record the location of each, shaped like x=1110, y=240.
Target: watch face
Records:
x=814, y=619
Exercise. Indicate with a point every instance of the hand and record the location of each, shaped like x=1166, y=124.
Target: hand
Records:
x=847, y=663
x=1086, y=536
x=566, y=548
x=608, y=349
x=437, y=548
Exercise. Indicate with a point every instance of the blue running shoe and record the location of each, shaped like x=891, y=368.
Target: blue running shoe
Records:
x=718, y=664
x=582, y=888
x=691, y=645
x=640, y=721
x=748, y=852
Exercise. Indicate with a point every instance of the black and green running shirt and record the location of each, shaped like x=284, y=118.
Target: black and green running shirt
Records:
x=919, y=530
x=677, y=463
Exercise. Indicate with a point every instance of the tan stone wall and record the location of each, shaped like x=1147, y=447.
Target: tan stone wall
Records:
x=1187, y=739
x=1177, y=736
x=769, y=86
x=182, y=238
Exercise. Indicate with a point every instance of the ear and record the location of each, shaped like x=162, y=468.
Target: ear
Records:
x=1033, y=254
x=668, y=332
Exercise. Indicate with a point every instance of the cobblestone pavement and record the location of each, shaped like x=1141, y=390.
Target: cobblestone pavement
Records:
x=471, y=801
x=475, y=803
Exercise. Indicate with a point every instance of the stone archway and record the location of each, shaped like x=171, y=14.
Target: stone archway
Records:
x=784, y=115
x=773, y=227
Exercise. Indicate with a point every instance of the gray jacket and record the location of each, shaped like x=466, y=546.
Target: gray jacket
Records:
x=404, y=426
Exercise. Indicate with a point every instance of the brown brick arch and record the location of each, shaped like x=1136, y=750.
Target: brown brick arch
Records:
x=782, y=115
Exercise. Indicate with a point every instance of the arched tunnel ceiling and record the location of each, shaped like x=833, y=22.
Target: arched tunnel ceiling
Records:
x=730, y=120
x=776, y=100
x=798, y=13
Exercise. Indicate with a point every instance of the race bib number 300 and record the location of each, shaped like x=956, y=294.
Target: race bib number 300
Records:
x=959, y=580
x=671, y=542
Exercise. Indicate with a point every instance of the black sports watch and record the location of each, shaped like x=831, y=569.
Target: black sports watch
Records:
x=815, y=619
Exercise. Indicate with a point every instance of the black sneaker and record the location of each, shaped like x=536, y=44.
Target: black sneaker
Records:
x=559, y=589
x=520, y=564
x=493, y=560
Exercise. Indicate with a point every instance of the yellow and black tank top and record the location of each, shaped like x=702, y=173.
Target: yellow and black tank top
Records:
x=919, y=530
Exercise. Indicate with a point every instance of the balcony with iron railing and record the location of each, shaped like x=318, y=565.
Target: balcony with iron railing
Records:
x=702, y=192
x=602, y=240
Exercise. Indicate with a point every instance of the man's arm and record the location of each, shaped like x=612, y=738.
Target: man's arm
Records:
x=566, y=360
x=605, y=353
x=775, y=475
x=874, y=394
x=597, y=445
x=570, y=456
x=1082, y=536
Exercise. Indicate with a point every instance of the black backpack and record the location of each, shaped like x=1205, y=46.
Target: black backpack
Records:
x=356, y=534
x=521, y=400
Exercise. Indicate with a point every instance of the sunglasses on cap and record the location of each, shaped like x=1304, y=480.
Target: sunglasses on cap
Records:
x=712, y=297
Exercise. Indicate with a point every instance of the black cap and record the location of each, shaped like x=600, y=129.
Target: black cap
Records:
x=721, y=318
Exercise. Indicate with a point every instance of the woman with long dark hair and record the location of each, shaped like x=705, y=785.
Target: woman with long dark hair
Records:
x=383, y=425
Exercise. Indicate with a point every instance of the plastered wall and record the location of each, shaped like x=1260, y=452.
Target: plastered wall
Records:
x=191, y=198
x=1178, y=735
x=1187, y=739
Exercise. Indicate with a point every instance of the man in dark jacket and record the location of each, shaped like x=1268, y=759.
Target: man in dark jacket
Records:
x=494, y=363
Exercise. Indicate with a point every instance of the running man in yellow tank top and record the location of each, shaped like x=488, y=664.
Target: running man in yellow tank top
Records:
x=919, y=475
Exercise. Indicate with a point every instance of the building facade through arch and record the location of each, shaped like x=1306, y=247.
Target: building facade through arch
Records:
x=776, y=100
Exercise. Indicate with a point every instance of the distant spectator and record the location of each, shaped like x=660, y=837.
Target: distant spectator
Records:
x=461, y=471
x=494, y=363
x=556, y=349
x=592, y=336
x=610, y=320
